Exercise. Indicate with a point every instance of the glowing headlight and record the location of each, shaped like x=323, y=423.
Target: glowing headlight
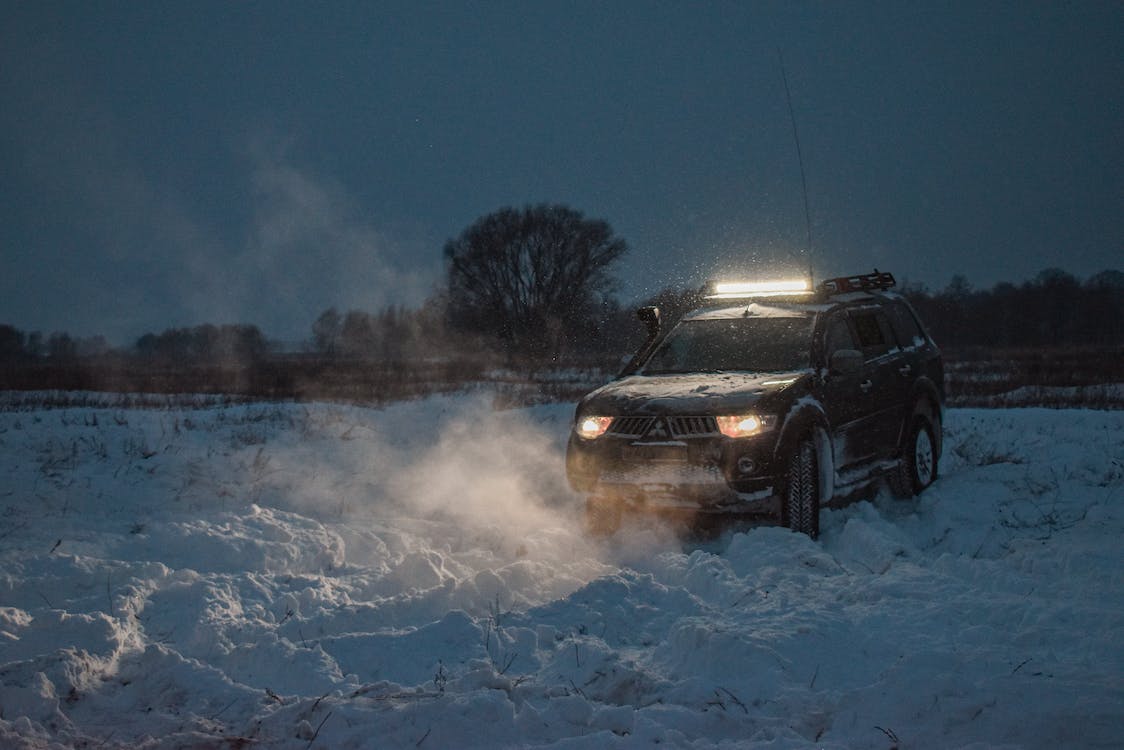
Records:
x=592, y=427
x=745, y=425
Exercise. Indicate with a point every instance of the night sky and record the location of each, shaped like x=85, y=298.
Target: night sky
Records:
x=171, y=164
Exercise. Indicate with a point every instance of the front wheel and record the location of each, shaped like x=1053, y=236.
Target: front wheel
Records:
x=917, y=467
x=801, y=504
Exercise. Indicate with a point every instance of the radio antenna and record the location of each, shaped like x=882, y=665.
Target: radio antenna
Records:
x=800, y=159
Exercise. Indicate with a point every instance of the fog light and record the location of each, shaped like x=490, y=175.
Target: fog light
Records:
x=746, y=465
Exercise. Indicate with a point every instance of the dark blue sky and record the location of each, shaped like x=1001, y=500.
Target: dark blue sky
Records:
x=173, y=164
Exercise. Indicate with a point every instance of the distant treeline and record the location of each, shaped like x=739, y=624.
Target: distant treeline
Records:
x=1061, y=332
x=1054, y=309
x=207, y=344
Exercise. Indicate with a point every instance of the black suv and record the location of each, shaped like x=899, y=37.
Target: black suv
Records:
x=767, y=400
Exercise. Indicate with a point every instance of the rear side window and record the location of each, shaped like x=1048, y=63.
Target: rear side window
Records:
x=873, y=331
x=905, y=324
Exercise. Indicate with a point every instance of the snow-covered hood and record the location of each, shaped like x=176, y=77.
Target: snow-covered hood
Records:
x=695, y=394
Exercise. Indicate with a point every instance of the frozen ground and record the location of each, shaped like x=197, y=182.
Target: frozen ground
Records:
x=289, y=576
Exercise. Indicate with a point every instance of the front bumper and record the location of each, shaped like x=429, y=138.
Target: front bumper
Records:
x=691, y=476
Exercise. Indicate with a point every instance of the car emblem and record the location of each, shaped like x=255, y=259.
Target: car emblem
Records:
x=658, y=430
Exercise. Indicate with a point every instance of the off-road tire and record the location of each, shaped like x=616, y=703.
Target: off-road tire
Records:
x=602, y=516
x=917, y=466
x=801, y=502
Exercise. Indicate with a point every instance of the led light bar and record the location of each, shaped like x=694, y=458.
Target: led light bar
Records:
x=732, y=289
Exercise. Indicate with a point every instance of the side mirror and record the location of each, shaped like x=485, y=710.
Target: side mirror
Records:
x=846, y=361
x=651, y=317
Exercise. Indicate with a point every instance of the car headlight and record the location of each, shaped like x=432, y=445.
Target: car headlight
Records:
x=746, y=425
x=592, y=427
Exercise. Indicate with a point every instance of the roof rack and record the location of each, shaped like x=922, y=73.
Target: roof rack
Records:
x=879, y=280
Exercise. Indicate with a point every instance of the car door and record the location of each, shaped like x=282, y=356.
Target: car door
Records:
x=883, y=387
x=847, y=406
x=916, y=347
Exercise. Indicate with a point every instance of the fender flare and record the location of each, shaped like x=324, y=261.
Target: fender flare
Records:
x=924, y=400
x=807, y=416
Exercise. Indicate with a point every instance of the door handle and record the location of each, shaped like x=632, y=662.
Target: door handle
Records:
x=866, y=385
x=905, y=370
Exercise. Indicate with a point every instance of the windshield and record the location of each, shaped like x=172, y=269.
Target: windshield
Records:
x=741, y=344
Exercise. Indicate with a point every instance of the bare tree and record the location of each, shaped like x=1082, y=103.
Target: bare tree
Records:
x=357, y=337
x=13, y=343
x=326, y=331
x=60, y=346
x=535, y=278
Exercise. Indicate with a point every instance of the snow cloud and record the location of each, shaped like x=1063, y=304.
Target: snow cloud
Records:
x=482, y=493
x=252, y=236
x=311, y=247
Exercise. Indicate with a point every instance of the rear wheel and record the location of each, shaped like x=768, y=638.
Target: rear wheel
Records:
x=801, y=506
x=917, y=467
x=602, y=516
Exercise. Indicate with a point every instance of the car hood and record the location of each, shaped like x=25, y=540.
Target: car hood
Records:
x=693, y=394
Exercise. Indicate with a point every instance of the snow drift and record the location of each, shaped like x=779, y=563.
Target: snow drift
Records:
x=326, y=576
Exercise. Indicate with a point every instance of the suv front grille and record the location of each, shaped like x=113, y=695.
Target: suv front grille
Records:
x=693, y=426
x=632, y=427
x=679, y=427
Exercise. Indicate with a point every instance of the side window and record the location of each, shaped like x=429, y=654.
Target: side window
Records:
x=887, y=331
x=873, y=330
x=906, y=327
x=837, y=335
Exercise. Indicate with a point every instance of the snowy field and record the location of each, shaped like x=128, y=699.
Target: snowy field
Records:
x=299, y=576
